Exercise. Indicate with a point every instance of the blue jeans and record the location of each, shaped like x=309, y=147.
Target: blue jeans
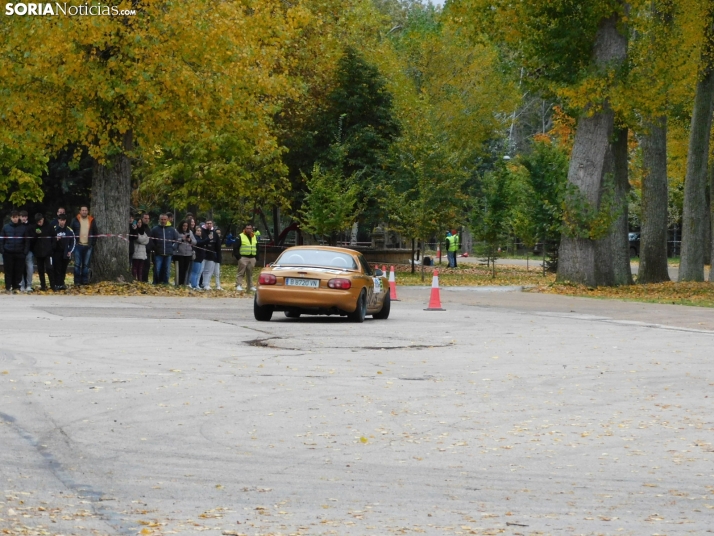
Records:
x=82, y=256
x=162, y=269
x=196, y=269
x=29, y=270
x=452, y=258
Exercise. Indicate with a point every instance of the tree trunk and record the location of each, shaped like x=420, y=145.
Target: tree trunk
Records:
x=711, y=221
x=619, y=241
x=707, y=223
x=653, y=238
x=612, y=252
x=591, y=159
x=691, y=267
x=111, y=201
x=413, y=258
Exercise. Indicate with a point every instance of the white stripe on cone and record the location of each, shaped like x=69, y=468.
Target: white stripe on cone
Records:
x=392, y=285
x=435, y=298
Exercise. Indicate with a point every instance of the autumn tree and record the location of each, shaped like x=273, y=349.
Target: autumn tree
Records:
x=451, y=97
x=694, y=217
x=577, y=51
x=651, y=80
x=125, y=86
x=235, y=170
x=21, y=174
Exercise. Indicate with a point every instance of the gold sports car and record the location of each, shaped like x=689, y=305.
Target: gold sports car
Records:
x=322, y=280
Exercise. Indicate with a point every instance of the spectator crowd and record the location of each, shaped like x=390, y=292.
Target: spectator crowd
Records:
x=194, y=248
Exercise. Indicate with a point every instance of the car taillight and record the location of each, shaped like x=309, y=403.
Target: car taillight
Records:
x=340, y=283
x=267, y=279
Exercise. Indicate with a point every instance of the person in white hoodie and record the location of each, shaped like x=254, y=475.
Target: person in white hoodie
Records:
x=139, y=256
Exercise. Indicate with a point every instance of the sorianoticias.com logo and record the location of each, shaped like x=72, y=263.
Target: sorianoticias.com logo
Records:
x=59, y=9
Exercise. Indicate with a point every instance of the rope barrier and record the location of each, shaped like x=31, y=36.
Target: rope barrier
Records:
x=124, y=236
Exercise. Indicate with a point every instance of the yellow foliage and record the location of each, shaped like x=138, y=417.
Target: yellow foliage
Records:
x=170, y=71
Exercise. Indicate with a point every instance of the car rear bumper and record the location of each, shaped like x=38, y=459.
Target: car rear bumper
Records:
x=301, y=298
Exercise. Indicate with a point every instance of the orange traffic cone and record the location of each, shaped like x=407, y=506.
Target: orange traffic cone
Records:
x=392, y=285
x=435, y=299
x=384, y=268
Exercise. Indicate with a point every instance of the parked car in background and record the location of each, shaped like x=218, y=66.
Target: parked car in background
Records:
x=634, y=244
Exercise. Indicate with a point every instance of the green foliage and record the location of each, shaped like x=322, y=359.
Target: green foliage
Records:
x=553, y=41
x=492, y=217
x=21, y=175
x=425, y=195
x=426, y=207
x=330, y=204
x=540, y=184
x=353, y=131
x=583, y=219
x=558, y=37
x=229, y=171
x=360, y=114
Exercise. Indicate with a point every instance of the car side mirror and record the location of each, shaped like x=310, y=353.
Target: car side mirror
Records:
x=378, y=272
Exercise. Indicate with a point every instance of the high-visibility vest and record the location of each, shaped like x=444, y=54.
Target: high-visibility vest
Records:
x=248, y=246
x=453, y=242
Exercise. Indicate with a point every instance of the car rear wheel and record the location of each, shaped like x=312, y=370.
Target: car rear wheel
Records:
x=292, y=314
x=383, y=314
x=361, y=309
x=262, y=313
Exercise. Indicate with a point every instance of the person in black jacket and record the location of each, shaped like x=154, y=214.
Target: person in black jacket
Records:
x=164, y=240
x=65, y=242
x=14, y=245
x=42, y=245
x=213, y=250
x=55, y=221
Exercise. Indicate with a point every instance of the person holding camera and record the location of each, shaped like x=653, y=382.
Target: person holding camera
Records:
x=184, y=252
x=213, y=250
x=138, y=258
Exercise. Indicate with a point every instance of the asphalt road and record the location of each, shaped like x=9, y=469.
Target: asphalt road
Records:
x=508, y=413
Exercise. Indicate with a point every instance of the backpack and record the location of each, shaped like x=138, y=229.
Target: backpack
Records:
x=236, y=248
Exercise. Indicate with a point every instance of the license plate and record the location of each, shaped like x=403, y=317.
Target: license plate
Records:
x=310, y=283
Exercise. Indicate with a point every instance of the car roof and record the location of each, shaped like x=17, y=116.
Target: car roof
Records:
x=325, y=248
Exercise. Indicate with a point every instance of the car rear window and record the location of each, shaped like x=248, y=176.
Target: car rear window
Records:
x=316, y=257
